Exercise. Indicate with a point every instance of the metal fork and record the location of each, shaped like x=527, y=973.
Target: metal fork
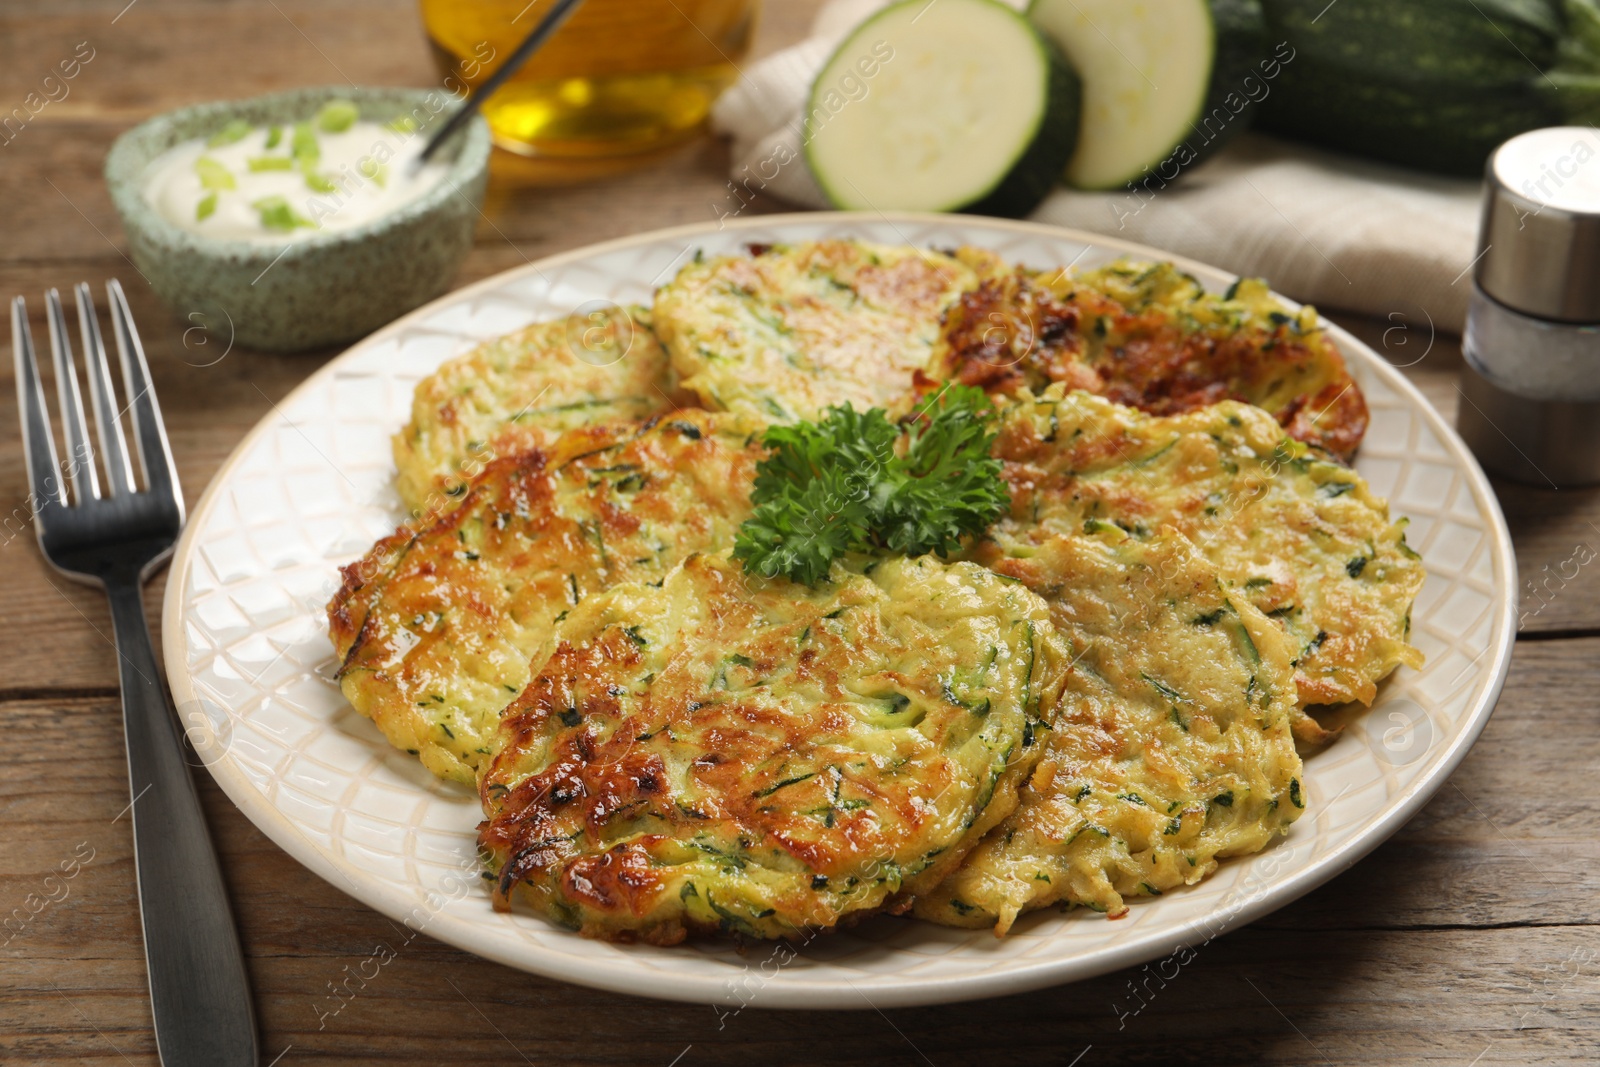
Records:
x=199, y=992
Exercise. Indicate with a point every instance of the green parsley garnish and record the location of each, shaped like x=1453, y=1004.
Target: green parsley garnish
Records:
x=206, y=207
x=213, y=175
x=403, y=124
x=235, y=130
x=276, y=214
x=337, y=116
x=856, y=482
x=274, y=135
x=261, y=163
x=319, y=183
x=303, y=145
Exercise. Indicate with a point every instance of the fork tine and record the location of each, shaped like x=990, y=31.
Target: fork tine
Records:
x=80, y=453
x=38, y=444
x=107, y=421
x=155, y=455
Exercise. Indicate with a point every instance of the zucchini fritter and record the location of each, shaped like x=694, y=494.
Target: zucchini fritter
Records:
x=434, y=628
x=1150, y=336
x=727, y=753
x=1299, y=536
x=1170, y=747
x=523, y=390
x=794, y=329
x=1099, y=701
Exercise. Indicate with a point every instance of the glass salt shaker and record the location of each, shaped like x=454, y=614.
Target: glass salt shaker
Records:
x=1530, y=407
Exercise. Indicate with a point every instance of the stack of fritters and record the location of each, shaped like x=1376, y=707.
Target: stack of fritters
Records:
x=1098, y=701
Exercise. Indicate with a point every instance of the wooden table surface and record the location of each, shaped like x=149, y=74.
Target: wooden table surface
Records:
x=1469, y=938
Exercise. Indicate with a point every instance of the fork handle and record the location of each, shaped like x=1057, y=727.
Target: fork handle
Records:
x=199, y=991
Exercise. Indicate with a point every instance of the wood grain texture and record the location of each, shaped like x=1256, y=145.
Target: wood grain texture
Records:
x=1470, y=937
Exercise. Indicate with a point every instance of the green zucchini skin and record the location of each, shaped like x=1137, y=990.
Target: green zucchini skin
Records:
x=1240, y=74
x=1432, y=84
x=1011, y=186
x=1037, y=170
x=1240, y=30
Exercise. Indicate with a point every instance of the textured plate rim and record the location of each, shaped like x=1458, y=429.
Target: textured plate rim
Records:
x=617, y=975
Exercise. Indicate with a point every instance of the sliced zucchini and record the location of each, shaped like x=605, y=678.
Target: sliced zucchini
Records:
x=954, y=105
x=1165, y=83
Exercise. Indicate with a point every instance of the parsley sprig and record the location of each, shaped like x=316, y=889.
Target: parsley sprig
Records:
x=856, y=482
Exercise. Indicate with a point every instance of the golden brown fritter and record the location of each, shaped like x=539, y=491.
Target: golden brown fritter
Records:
x=1149, y=336
x=1299, y=536
x=523, y=390
x=434, y=627
x=793, y=329
x=727, y=753
x=1169, y=749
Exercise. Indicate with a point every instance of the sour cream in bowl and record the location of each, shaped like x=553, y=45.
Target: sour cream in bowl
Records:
x=300, y=219
x=290, y=182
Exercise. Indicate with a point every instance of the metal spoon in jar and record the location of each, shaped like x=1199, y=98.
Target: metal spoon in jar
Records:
x=552, y=21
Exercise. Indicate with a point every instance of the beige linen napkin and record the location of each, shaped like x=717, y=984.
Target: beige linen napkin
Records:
x=1322, y=228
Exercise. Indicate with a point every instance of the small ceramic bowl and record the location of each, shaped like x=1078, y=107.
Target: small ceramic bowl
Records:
x=329, y=288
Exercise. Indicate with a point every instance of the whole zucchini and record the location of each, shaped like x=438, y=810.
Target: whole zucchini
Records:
x=1435, y=84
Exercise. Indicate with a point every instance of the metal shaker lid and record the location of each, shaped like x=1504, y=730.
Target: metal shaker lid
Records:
x=1539, y=248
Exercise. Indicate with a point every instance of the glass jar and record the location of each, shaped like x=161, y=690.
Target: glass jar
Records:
x=621, y=78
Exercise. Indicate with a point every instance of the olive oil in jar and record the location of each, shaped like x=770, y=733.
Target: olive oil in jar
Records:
x=620, y=78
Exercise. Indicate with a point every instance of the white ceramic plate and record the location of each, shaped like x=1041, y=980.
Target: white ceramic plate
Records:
x=309, y=489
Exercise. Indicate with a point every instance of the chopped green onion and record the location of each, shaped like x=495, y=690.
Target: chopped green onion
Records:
x=337, y=116
x=304, y=147
x=257, y=164
x=206, y=207
x=319, y=183
x=371, y=168
x=213, y=175
x=235, y=130
x=403, y=124
x=274, y=135
x=276, y=214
